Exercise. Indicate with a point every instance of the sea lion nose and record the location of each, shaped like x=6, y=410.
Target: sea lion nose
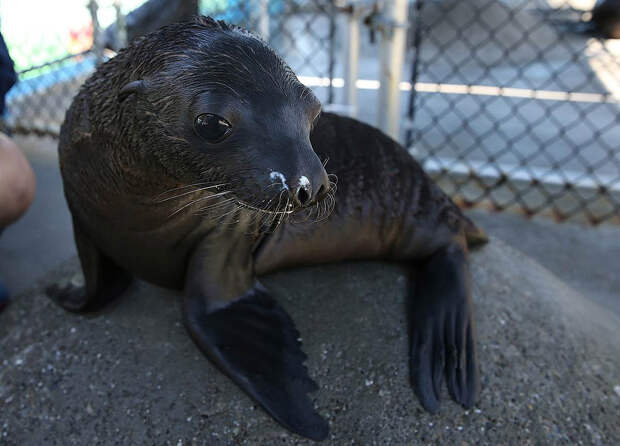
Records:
x=303, y=193
x=309, y=191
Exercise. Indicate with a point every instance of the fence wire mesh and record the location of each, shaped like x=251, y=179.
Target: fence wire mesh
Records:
x=513, y=106
x=516, y=107
x=51, y=59
x=52, y=66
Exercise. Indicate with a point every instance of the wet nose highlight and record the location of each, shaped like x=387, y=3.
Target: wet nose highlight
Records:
x=303, y=194
x=308, y=191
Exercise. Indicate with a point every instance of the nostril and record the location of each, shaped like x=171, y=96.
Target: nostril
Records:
x=302, y=195
x=321, y=192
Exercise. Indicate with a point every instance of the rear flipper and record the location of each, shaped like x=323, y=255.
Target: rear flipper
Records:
x=442, y=332
x=255, y=342
x=474, y=235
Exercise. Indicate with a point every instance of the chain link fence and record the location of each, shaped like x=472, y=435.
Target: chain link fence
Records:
x=516, y=106
x=52, y=61
x=51, y=58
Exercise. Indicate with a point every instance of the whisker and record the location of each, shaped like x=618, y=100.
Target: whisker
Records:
x=190, y=192
x=234, y=209
x=273, y=184
x=196, y=201
x=333, y=187
x=325, y=211
x=282, y=193
x=219, y=204
x=187, y=186
x=282, y=215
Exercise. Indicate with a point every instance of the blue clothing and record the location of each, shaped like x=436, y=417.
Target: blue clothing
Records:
x=4, y=296
x=8, y=77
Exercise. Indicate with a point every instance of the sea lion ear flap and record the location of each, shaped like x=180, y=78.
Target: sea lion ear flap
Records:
x=132, y=87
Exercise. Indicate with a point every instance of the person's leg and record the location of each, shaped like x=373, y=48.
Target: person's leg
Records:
x=17, y=186
x=17, y=182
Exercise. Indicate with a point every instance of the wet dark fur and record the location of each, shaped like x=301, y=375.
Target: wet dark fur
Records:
x=140, y=125
x=150, y=198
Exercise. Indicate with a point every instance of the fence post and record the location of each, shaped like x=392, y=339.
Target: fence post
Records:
x=93, y=7
x=121, y=26
x=417, y=41
x=332, y=55
x=263, y=19
x=352, y=61
x=393, y=39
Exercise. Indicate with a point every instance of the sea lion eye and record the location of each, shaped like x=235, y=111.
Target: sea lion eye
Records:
x=212, y=127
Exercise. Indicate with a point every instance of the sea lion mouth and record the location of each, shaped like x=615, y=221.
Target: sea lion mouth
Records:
x=271, y=219
x=282, y=208
x=219, y=203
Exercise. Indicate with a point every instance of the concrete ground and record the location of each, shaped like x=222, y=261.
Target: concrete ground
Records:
x=131, y=375
x=586, y=258
x=548, y=342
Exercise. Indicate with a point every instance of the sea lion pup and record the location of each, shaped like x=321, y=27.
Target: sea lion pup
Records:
x=194, y=159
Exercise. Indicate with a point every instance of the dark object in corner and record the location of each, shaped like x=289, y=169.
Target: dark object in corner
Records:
x=4, y=297
x=606, y=18
x=604, y=22
x=7, y=73
x=150, y=16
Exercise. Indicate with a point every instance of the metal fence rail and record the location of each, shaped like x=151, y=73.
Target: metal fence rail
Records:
x=513, y=108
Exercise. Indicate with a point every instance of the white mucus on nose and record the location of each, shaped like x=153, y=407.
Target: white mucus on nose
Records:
x=304, y=181
x=275, y=175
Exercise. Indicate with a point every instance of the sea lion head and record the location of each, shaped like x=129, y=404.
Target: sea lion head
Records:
x=216, y=106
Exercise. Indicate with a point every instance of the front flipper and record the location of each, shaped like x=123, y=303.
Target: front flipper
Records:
x=255, y=342
x=442, y=332
x=101, y=282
